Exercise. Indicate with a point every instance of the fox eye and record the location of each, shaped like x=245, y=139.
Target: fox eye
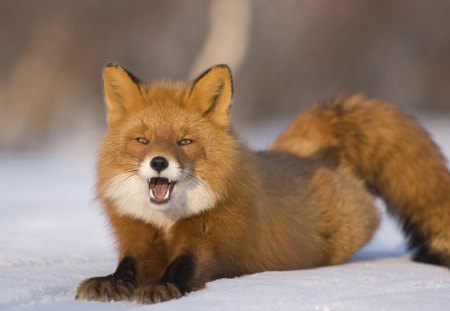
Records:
x=142, y=140
x=185, y=142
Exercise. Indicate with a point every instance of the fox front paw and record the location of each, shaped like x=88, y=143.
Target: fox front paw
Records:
x=157, y=292
x=107, y=288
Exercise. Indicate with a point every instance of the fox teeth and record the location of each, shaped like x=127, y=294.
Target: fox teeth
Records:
x=160, y=189
x=166, y=196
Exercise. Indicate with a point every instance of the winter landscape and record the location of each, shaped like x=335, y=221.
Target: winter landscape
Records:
x=53, y=236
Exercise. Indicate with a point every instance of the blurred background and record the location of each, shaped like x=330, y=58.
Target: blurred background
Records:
x=284, y=55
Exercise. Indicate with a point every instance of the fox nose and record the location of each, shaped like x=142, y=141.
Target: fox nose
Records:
x=159, y=163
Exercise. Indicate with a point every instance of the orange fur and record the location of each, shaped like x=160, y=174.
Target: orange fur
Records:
x=232, y=211
x=392, y=153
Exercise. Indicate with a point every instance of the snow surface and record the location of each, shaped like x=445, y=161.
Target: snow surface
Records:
x=53, y=235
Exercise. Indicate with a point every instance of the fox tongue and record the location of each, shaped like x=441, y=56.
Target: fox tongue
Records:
x=160, y=188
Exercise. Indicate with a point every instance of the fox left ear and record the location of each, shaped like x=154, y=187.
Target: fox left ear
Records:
x=121, y=90
x=211, y=94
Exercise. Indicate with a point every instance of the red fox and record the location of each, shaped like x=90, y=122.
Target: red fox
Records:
x=189, y=203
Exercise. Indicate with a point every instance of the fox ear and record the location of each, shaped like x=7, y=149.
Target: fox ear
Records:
x=211, y=94
x=121, y=90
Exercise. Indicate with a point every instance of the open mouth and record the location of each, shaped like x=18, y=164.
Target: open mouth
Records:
x=160, y=189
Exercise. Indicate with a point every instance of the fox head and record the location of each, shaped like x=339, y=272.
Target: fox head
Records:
x=168, y=148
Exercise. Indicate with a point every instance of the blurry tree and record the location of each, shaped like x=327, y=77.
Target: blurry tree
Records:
x=53, y=52
x=285, y=55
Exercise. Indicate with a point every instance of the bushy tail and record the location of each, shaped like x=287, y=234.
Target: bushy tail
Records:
x=393, y=154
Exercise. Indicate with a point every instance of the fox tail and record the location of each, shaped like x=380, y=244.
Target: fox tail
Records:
x=392, y=154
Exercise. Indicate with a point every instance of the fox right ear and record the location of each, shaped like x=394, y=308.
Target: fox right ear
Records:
x=211, y=95
x=121, y=90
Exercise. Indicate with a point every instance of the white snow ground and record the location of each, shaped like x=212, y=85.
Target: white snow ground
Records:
x=53, y=236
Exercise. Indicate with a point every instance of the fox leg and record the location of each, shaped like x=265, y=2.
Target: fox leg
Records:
x=176, y=281
x=142, y=253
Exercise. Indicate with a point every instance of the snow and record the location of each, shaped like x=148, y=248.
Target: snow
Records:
x=53, y=235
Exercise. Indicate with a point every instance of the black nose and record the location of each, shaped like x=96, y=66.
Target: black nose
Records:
x=159, y=163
